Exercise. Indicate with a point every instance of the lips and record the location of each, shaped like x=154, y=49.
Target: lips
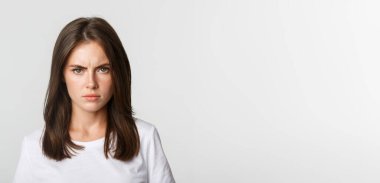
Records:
x=91, y=95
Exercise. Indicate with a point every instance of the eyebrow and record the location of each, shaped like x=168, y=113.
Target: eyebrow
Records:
x=79, y=66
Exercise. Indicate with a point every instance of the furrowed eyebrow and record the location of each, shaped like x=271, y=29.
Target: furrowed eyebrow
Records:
x=82, y=67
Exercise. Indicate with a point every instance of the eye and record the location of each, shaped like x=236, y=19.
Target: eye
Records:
x=76, y=70
x=104, y=69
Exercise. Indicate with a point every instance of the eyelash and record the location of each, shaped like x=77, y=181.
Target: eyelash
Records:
x=80, y=69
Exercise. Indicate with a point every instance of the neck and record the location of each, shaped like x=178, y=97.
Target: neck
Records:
x=85, y=126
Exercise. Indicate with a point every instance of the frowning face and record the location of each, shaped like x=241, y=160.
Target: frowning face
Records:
x=87, y=75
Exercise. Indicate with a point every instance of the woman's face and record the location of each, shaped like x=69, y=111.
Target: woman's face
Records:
x=87, y=75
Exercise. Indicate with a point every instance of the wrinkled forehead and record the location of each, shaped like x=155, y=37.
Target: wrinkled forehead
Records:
x=87, y=54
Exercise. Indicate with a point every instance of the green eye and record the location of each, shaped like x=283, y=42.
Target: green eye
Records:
x=77, y=71
x=104, y=69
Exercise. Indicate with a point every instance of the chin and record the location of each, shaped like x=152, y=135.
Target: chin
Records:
x=92, y=108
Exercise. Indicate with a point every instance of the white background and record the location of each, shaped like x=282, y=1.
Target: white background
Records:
x=240, y=91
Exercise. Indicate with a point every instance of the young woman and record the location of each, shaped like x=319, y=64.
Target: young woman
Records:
x=90, y=134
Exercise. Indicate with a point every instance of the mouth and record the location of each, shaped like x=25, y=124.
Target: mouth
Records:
x=91, y=97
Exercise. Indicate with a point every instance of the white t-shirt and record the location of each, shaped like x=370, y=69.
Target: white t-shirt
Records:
x=91, y=166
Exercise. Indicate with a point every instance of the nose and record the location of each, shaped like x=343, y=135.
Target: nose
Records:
x=91, y=83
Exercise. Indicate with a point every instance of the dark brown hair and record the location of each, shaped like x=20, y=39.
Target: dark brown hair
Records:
x=122, y=138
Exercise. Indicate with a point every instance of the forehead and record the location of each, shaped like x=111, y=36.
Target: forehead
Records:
x=87, y=53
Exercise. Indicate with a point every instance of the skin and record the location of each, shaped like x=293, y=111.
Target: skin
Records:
x=87, y=71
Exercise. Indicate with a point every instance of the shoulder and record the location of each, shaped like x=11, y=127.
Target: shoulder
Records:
x=32, y=142
x=148, y=132
x=144, y=128
x=35, y=136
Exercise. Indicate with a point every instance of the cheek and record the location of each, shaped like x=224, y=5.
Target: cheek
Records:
x=71, y=89
x=73, y=85
x=107, y=85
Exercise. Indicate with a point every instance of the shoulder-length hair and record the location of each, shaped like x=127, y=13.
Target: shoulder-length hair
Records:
x=121, y=138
